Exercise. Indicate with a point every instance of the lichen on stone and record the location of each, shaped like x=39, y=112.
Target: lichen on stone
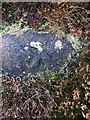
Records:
x=37, y=45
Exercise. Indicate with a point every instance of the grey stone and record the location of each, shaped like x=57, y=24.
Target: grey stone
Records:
x=33, y=52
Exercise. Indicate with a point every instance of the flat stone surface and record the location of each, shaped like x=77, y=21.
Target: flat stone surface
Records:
x=33, y=52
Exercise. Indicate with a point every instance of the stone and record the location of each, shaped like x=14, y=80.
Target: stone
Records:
x=33, y=52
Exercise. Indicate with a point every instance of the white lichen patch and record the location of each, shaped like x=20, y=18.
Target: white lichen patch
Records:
x=26, y=48
x=37, y=45
x=28, y=57
x=58, y=45
x=24, y=72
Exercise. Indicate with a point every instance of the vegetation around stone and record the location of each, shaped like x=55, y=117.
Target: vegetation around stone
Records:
x=64, y=95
